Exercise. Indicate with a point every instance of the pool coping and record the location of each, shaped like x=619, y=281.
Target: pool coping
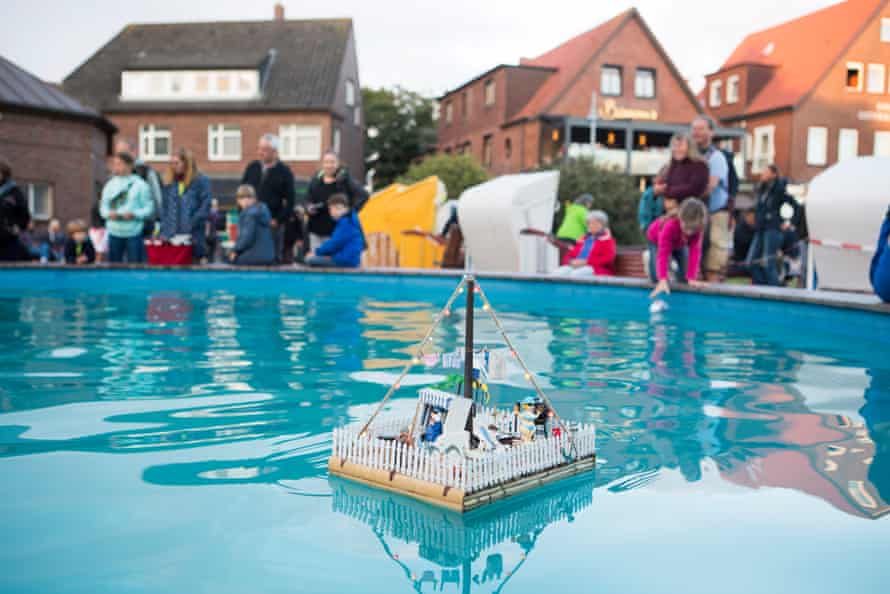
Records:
x=835, y=299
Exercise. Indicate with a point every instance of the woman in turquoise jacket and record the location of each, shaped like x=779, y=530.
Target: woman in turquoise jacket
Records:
x=126, y=203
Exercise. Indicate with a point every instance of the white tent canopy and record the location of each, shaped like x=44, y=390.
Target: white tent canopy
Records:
x=492, y=215
x=845, y=207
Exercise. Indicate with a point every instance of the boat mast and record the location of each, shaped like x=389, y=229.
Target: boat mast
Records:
x=468, y=341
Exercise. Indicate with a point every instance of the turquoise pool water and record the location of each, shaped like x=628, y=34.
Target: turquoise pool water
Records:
x=168, y=432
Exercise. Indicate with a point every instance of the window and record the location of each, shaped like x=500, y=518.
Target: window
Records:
x=189, y=85
x=644, y=84
x=885, y=30
x=487, y=150
x=716, y=87
x=40, y=200
x=610, y=81
x=300, y=143
x=336, y=144
x=882, y=144
x=847, y=144
x=764, y=148
x=732, y=89
x=224, y=142
x=489, y=93
x=508, y=148
x=449, y=112
x=854, y=77
x=748, y=147
x=155, y=142
x=357, y=116
x=817, y=146
x=875, y=82
x=350, y=93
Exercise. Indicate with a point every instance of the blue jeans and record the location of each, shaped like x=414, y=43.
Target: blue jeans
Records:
x=680, y=256
x=132, y=247
x=321, y=262
x=763, y=257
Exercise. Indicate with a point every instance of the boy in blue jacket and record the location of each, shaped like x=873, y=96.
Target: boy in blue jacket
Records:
x=344, y=248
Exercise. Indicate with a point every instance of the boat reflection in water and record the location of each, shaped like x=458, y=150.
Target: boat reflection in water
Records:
x=480, y=550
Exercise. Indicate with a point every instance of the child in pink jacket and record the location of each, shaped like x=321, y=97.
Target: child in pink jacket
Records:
x=679, y=228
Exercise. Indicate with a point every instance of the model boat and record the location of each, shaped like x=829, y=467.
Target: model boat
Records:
x=454, y=451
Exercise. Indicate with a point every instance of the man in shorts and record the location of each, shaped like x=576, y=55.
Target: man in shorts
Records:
x=718, y=234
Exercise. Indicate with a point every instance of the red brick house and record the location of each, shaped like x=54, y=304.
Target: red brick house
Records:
x=216, y=87
x=809, y=92
x=515, y=118
x=57, y=147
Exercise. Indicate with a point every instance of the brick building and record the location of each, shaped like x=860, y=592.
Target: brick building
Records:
x=57, y=147
x=809, y=92
x=616, y=76
x=215, y=88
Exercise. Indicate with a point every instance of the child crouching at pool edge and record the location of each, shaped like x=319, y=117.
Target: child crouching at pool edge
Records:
x=344, y=248
x=78, y=247
x=681, y=227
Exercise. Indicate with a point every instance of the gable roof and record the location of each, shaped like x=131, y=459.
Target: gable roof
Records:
x=22, y=90
x=569, y=60
x=801, y=51
x=572, y=57
x=299, y=62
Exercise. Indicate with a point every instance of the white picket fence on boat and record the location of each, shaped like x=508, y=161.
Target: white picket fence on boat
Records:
x=480, y=470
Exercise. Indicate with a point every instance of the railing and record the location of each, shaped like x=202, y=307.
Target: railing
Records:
x=480, y=470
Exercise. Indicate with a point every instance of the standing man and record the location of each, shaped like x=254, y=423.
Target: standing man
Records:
x=273, y=183
x=149, y=176
x=332, y=179
x=14, y=216
x=716, y=198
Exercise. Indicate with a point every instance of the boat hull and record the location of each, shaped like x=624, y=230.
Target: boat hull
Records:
x=453, y=498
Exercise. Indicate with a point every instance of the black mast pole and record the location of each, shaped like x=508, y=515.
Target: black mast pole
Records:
x=468, y=343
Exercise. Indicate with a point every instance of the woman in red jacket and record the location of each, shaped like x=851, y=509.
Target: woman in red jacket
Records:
x=594, y=254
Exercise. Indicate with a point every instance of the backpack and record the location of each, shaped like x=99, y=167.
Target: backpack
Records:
x=143, y=171
x=148, y=226
x=650, y=208
x=732, y=178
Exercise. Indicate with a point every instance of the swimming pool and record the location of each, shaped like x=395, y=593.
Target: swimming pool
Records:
x=167, y=432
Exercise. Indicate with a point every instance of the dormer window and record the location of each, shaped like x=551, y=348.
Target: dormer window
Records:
x=854, y=77
x=350, y=93
x=885, y=30
x=189, y=85
x=732, y=89
x=716, y=88
x=489, y=93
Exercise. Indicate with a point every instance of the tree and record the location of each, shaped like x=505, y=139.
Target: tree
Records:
x=399, y=128
x=612, y=191
x=457, y=172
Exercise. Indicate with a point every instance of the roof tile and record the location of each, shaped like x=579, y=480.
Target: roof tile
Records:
x=304, y=74
x=802, y=51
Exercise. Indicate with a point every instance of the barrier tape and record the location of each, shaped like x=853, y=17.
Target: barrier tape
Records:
x=855, y=247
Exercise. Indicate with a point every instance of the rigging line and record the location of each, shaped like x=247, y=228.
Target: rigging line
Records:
x=418, y=353
x=528, y=374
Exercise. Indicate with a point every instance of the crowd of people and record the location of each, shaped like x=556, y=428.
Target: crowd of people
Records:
x=139, y=207
x=689, y=220
x=687, y=216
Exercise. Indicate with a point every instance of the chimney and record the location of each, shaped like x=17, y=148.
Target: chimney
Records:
x=279, y=11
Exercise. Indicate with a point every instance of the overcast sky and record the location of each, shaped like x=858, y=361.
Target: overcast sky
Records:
x=422, y=45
